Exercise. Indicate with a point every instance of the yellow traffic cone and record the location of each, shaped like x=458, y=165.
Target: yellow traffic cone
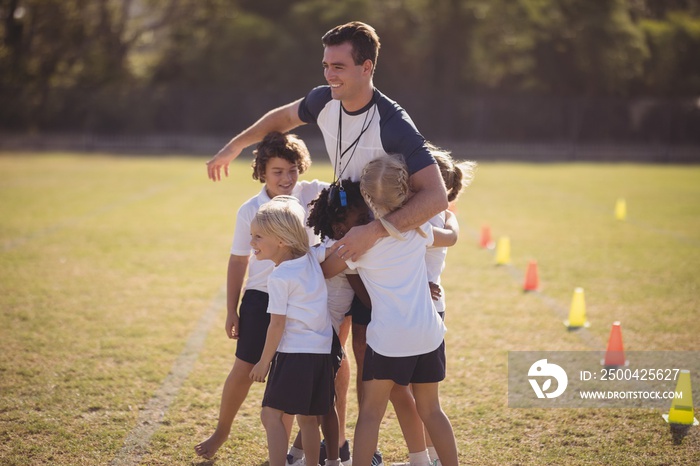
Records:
x=577, y=312
x=682, y=408
x=620, y=209
x=503, y=251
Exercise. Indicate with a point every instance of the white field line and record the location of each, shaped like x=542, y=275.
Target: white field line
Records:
x=151, y=416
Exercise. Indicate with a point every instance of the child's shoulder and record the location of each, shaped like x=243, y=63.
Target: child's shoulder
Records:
x=312, y=185
x=254, y=202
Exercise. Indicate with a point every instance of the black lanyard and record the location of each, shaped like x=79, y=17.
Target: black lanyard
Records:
x=339, y=153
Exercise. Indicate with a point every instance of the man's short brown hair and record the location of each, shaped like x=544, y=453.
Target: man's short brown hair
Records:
x=363, y=37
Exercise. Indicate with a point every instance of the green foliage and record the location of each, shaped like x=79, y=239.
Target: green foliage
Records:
x=123, y=66
x=571, y=47
x=674, y=68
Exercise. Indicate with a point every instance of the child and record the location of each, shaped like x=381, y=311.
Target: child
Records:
x=298, y=343
x=446, y=231
x=456, y=175
x=405, y=336
x=278, y=161
x=331, y=218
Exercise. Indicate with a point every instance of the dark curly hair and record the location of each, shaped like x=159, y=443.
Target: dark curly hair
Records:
x=322, y=214
x=285, y=146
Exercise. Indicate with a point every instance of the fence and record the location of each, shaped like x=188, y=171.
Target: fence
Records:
x=503, y=127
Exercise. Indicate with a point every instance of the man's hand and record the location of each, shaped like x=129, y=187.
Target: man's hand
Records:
x=282, y=119
x=222, y=159
x=358, y=240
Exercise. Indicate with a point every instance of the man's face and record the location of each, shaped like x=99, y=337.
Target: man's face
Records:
x=345, y=78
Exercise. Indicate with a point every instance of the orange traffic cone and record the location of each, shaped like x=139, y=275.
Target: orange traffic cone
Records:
x=615, y=354
x=486, y=241
x=532, y=281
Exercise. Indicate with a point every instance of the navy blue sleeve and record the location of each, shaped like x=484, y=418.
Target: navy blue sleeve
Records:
x=313, y=103
x=400, y=136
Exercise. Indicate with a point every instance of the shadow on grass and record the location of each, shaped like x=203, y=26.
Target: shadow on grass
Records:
x=678, y=432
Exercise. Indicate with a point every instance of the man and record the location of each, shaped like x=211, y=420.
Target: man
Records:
x=358, y=123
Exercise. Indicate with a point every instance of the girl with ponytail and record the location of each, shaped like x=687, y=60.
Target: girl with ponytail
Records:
x=405, y=335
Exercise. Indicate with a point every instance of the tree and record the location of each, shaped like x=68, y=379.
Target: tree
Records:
x=54, y=51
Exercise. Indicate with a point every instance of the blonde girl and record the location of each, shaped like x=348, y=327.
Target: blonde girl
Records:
x=456, y=176
x=405, y=336
x=298, y=344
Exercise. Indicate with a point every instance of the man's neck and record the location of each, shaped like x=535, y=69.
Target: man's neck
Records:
x=359, y=102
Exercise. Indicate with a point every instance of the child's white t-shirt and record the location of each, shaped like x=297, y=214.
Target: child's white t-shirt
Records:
x=435, y=261
x=297, y=290
x=404, y=321
x=258, y=271
x=340, y=292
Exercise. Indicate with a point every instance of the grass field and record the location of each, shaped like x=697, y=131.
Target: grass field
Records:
x=111, y=308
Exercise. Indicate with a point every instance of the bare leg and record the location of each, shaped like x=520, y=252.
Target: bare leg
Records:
x=374, y=401
x=436, y=422
x=409, y=420
x=277, y=435
x=288, y=421
x=342, y=382
x=359, y=347
x=234, y=393
x=297, y=441
x=312, y=438
x=330, y=428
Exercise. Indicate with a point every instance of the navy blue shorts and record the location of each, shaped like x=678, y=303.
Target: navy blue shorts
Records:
x=253, y=324
x=361, y=314
x=424, y=368
x=300, y=383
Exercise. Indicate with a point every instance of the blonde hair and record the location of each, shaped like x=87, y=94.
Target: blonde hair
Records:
x=283, y=218
x=456, y=175
x=384, y=185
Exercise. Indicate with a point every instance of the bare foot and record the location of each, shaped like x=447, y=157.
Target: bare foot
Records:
x=208, y=448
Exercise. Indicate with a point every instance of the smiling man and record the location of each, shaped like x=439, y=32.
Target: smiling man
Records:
x=358, y=123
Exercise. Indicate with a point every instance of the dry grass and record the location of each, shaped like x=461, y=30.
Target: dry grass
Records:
x=108, y=263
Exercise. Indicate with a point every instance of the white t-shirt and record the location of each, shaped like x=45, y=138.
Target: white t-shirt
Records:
x=383, y=127
x=340, y=293
x=404, y=321
x=435, y=261
x=297, y=290
x=258, y=271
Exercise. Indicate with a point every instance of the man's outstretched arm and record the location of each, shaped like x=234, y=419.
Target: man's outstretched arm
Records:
x=282, y=119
